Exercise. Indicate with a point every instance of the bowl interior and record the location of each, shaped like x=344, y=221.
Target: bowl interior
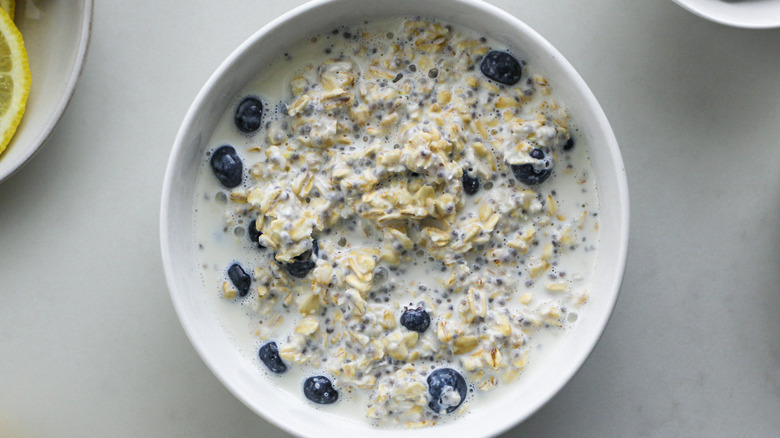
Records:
x=177, y=234
x=55, y=36
x=753, y=14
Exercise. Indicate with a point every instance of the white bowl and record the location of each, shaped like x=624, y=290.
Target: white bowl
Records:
x=56, y=35
x=178, y=242
x=749, y=14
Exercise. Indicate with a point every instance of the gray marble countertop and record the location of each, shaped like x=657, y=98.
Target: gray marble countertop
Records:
x=89, y=341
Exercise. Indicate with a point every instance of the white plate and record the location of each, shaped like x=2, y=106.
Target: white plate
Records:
x=750, y=14
x=55, y=34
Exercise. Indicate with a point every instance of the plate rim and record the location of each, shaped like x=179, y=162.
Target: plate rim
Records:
x=65, y=98
x=703, y=13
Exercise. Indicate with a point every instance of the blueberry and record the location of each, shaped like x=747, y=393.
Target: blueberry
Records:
x=527, y=174
x=501, y=67
x=241, y=280
x=531, y=174
x=537, y=154
x=302, y=263
x=320, y=390
x=299, y=269
x=569, y=145
x=254, y=234
x=416, y=320
x=249, y=114
x=470, y=185
x=269, y=354
x=441, y=383
x=227, y=166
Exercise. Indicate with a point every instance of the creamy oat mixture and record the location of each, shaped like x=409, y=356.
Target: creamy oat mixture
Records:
x=353, y=208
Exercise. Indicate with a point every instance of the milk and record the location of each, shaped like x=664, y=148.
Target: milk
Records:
x=221, y=245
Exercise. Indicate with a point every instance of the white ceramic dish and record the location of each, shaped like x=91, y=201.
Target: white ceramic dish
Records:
x=178, y=244
x=56, y=34
x=749, y=14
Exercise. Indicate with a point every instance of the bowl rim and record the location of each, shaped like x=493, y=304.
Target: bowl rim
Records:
x=613, y=151
x=36, y=145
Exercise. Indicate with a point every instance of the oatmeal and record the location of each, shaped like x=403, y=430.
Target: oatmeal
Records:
x=394, y=217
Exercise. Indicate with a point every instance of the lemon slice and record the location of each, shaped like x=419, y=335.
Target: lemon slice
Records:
x=8, y=6
x=14, y=79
